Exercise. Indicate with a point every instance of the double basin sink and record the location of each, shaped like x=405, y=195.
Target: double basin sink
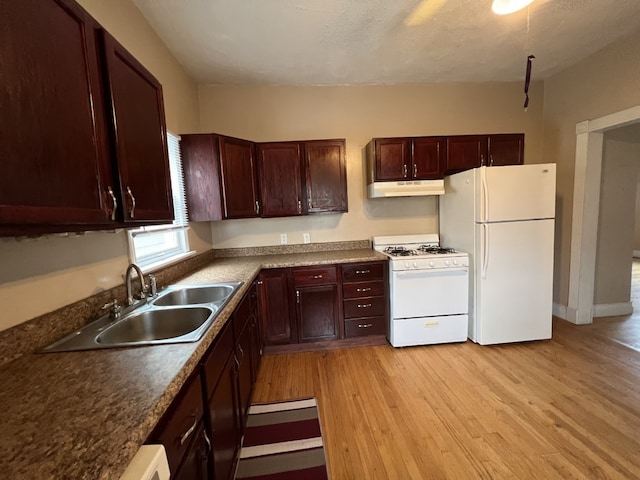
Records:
x=179, y=314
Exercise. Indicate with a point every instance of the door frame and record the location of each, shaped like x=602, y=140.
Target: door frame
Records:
x=586, y=210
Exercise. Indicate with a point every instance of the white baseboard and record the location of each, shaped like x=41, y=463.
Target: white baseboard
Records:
x=636, y=254
x=559, y=310
x=612, y=309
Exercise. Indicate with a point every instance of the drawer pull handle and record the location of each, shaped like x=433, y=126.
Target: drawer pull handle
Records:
x=316, y=277
x=361, y=272
x=365, y=325
x=133, y=203
x=115, y=202
x=365, y=305
x=188, y=433
x=363, y=289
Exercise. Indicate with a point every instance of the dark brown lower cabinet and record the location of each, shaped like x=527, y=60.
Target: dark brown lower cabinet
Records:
x=224, y=422
x=274, y=298
x=181, y=430
x=317, y=311
x=196, y=463
x=245, y=375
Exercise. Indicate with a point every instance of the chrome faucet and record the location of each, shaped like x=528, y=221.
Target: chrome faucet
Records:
x=127, y=279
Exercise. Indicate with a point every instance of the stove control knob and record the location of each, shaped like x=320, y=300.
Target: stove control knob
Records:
x=455, y=262
x=432, y=264
x=447, y=263
x=406, y=265
x=415, y=264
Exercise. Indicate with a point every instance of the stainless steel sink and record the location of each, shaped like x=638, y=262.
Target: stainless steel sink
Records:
x=195, y=294
x=152, y=325
x=179, y=314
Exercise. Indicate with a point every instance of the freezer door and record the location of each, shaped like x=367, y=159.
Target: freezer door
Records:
x=513, y=282
x=515, y=192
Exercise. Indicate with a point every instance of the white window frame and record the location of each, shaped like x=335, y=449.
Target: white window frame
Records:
x=156, y=246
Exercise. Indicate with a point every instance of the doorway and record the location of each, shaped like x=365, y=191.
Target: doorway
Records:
x=586, y=210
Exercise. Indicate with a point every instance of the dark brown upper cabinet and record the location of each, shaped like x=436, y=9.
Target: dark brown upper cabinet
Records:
x=139, y=136
x=470, y=151
x=220, y=177
x=55, y=159
x=506, y=149
x=326, y=176
x=399, y=159
x=63, y=167
x=280, y=167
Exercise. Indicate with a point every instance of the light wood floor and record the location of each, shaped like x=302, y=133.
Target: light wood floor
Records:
x=564, y=408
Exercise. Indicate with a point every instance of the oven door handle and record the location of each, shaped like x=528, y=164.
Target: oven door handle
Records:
x=429, y=272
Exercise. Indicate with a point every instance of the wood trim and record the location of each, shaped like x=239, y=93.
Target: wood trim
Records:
x=328, y=345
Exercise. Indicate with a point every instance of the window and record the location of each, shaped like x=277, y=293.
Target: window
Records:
x=158, y=245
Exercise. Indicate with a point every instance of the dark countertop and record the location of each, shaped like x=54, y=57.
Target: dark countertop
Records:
x=83, y=415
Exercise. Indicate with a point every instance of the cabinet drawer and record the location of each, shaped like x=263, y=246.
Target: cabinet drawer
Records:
x=363, y=289
x=360, y=327
x=183, y=417
x=363, y=272
x=364, y=307
x=314, y=276
x=217, y=357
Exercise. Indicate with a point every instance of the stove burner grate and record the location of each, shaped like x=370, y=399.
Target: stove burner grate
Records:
x=400, y=251
x=435, y=249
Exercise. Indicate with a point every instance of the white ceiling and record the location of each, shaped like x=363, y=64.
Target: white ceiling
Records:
x=338, y=42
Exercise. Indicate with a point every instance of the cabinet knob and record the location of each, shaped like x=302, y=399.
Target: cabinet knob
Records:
x=404, y=170
x=297, y=296
x=481, y=160
x=362, y=272
x=257, y=207
x=491, y=160
x=415, y=169
x=365, y=325
x=115, y=202
x=363, y=289
x=133, y=202
x=364, y=305
x=299, y=206
x=316, y=277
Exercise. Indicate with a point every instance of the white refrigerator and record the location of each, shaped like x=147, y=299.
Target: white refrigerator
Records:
x=503, y=217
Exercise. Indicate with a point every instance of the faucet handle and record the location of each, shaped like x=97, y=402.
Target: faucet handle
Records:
x=116, y=308
x=153, y=286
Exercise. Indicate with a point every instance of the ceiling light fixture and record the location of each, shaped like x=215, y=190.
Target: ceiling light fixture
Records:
x=504, y=7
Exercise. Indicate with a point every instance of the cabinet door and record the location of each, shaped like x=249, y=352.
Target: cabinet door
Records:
x=326, y=176
x=201, y=168
x=55, y=157
x=465, y=152
x=177, y=428
x=506, y=149
x=280, y=166
x=256, y=342
x=318, y=314
x=273, y=295
x=392, y=157
x=239, y=180
x=223, y=414
x=428, y=157
x=195, y=466
x=245, y=379
x=138, y=130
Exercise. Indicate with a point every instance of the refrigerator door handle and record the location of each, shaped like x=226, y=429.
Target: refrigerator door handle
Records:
x=485, y=195
x=485, y=249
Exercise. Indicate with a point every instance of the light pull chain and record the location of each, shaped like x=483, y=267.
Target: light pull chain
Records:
x=527, y=79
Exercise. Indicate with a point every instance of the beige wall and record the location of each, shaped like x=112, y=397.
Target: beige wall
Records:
x=40, y=275
x=636, y=241
x=359, y=113
x=620, y=165
x=606, y=82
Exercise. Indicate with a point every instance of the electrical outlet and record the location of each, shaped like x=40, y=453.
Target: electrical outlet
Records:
x=283, y=239
x=306, y=238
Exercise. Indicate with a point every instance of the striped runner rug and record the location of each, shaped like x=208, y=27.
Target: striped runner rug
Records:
x=283, y=441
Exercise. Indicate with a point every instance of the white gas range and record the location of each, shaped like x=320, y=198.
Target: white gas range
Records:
x=429, y=290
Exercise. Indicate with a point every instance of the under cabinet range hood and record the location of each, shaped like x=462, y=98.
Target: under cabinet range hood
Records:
x=413, y=188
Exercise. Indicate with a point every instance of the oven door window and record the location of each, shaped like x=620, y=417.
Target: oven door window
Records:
x=426, y=293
